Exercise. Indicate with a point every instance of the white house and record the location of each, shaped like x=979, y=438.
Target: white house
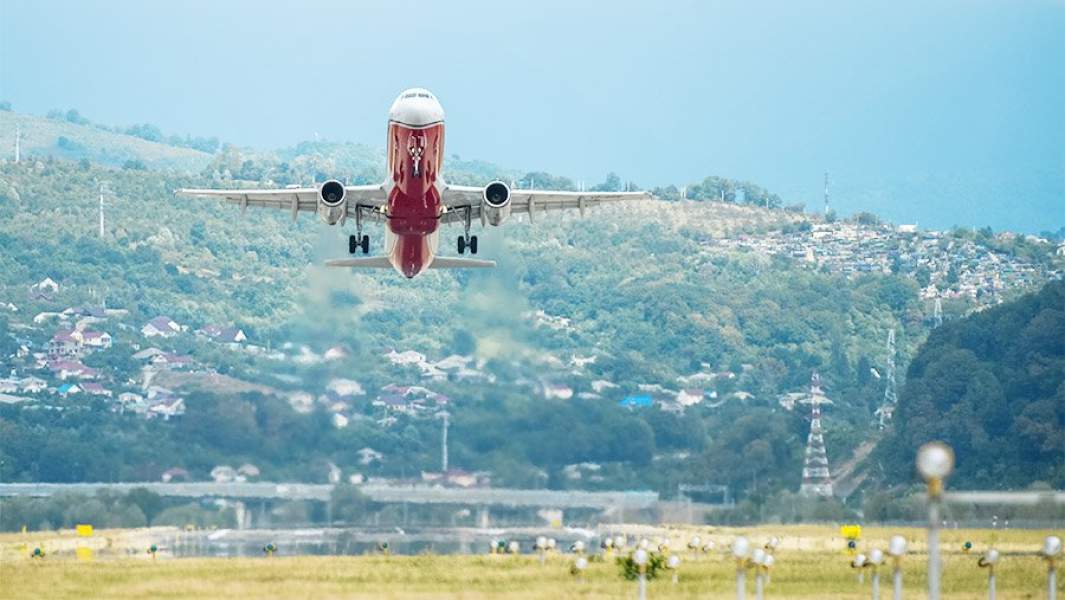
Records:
x=345, y=387
x=96, y=339
x=161, y=327
x=33, y=385
x=409, y=357
x=223, y=474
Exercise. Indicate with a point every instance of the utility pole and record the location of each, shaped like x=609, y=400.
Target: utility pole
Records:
x=443, y=443
x=103, y=190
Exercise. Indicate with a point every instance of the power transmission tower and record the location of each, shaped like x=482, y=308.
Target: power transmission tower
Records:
x=816, y=478
x=937, y=313
x=887, y=408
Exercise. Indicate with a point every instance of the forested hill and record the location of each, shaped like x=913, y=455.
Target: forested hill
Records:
x=644, y=346
x=992, y=386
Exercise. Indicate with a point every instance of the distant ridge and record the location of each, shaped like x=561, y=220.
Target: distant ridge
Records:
x=41, y=137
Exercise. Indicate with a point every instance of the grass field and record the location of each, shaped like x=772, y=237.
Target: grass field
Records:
x=810, y=564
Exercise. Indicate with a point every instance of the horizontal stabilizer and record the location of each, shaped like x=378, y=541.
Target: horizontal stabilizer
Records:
x=441, y=262
x=373, y=262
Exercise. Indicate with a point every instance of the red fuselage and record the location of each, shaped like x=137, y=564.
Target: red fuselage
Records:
x=415, y=154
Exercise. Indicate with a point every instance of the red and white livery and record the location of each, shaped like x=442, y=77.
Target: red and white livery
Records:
x=414, y=200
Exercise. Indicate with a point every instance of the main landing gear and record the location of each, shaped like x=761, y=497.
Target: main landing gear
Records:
x=356, y=242
x=466, y=240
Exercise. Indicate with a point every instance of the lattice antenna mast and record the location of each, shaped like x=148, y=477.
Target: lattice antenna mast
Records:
x=826, y=192
x=816, y=478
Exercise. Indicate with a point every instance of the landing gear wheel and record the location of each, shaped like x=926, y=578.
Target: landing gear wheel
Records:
x=462, y=245
x=473, y=244
x=355, y=244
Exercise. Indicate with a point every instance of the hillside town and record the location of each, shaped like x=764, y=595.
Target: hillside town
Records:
x=944, y=265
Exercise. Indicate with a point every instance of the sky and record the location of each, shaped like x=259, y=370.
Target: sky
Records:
x=932, y=112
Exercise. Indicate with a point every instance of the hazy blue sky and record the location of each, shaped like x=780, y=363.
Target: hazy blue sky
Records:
x=937, y=112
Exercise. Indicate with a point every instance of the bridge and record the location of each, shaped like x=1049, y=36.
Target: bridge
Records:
x=413, y=494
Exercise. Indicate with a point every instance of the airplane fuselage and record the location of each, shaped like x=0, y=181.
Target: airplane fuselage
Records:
x=415, y=156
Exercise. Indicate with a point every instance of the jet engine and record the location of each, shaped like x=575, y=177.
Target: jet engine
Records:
x=496, y=204
x=332, y=201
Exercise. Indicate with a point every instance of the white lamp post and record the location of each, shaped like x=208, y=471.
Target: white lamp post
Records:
x=897, y=549
x=695, y=544
x=859, y=563
x=757, y=560
x=673, y=563
x=876, y=557
x=767, y=563
x=988, y=561
x=1051, y=551
x=935, y=461
x=640, y=559
x=741, y=549
x=579, y=567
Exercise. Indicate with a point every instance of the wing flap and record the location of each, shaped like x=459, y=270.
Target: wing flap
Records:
x=449, y=262
x=372, y=262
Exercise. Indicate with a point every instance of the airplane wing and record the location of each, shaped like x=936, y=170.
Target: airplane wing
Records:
x=530, y=202
x=295, y=200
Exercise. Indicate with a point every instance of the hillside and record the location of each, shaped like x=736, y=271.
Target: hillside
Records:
x=992, y=386
x=41, y=137
x=707, y=311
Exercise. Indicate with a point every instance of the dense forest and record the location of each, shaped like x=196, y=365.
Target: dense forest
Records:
x=992, y=386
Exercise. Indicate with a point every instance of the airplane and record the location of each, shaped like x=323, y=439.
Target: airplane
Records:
x=414, y=200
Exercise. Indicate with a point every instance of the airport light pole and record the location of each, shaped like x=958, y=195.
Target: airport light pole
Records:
x=640, y=559
x=988, y=561
x=757, y=560
x=897, y=549
x=1051, y=551
x=935, y=461
x=741, y=548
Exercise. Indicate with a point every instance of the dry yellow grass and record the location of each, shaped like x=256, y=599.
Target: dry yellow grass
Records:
x=810, y=564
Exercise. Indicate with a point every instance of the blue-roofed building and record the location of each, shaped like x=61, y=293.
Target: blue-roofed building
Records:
x=68, y=388
x=636, y=402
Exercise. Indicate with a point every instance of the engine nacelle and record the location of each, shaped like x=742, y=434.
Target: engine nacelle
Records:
x=496, y=203
x=332, y=201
